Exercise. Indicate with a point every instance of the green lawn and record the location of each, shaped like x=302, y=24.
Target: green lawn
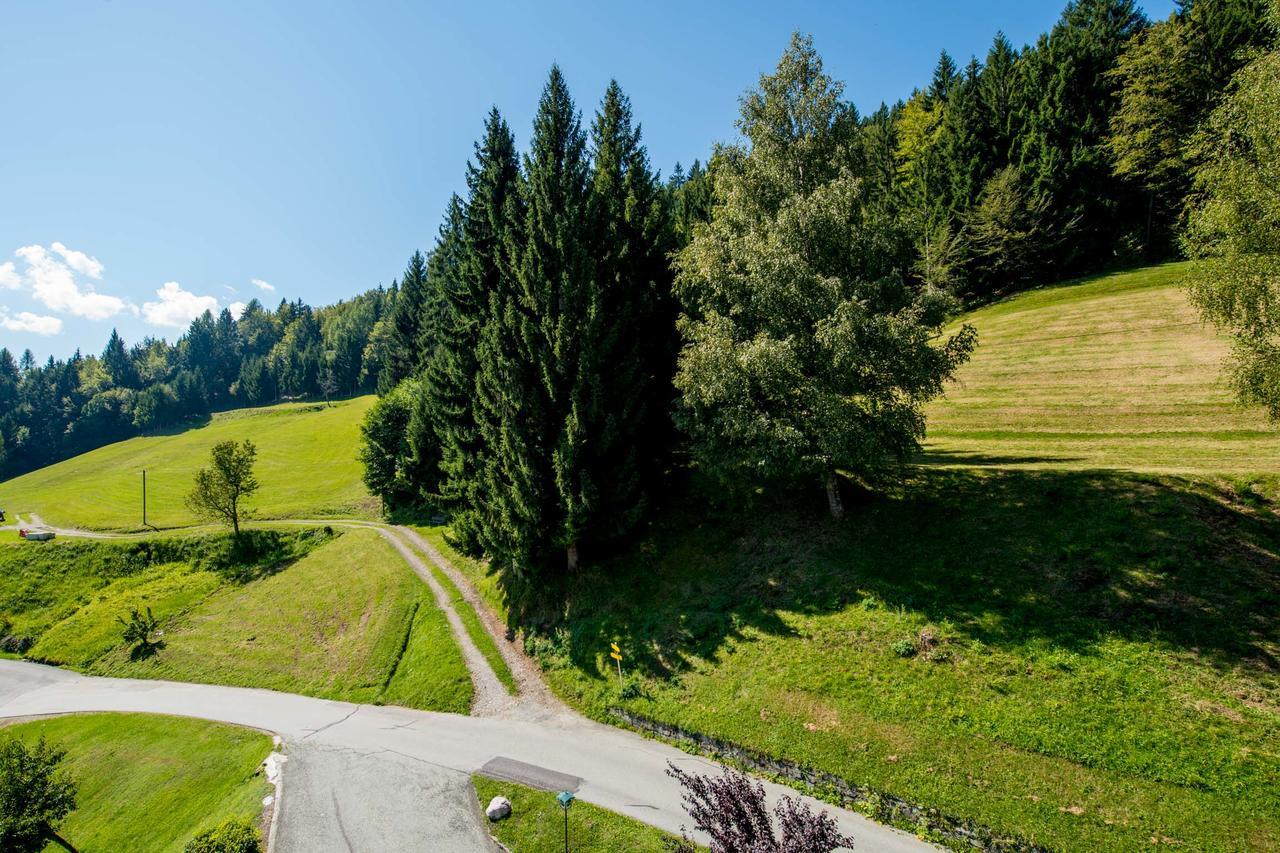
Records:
x=306, y=465
x=536, y=824
x=150, y=783
x=1117, y=372
x=1065, y=625
x=346, y=621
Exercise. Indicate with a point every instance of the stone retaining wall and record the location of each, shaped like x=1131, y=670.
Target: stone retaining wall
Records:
x=885, y=808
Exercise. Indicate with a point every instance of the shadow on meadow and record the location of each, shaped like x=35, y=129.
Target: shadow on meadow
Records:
x=1007, y=557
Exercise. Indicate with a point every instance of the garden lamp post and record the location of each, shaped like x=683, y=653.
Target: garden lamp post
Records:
x=565, y=799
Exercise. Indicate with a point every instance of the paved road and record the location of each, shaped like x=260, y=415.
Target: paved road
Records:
x=383, y=767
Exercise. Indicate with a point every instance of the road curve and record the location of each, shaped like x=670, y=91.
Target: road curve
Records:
x=613, y=768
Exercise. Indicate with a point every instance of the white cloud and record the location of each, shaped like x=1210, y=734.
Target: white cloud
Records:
x=263, y=285
x=177, y=307
x=79, y=261
x=9, y=278
x=53, y=283
x=237, y=309
x=25, y=321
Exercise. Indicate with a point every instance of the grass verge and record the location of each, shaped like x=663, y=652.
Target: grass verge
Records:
x=536, y=824
x=150, y=783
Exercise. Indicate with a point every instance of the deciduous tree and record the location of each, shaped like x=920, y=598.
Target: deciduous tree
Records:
x=807, y=350
x=221, y=489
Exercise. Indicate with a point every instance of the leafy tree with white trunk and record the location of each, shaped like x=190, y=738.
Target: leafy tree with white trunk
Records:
x=807, y=349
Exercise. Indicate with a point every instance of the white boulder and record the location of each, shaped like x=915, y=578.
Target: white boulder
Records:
x=499, y=807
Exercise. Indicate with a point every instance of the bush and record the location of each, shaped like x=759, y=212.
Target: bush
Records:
x=233, y=836
x=905, y=648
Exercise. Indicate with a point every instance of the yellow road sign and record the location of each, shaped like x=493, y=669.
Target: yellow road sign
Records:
x=615, y=647
x=615, y=655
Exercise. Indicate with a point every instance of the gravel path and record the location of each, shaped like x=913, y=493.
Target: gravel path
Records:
x=535, y=700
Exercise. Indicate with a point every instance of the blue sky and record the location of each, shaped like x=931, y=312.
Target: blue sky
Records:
x=157, y=158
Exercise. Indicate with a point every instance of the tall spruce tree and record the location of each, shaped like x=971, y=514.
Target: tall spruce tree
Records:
x=450, y=387
x=404, y=358
x=1068, y=101
x=630, y=355
x=532, y=390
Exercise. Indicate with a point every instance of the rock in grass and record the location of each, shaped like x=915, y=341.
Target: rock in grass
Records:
x=499, y=807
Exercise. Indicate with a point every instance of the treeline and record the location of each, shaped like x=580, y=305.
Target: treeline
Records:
x=1071, y=154
x=57, y=409
x=775, y=318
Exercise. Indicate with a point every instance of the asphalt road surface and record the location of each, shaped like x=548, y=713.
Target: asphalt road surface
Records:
x=370, y=778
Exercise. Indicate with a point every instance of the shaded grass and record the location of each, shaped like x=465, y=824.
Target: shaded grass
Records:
x=333, y=625
x=150, y=783
x=536, y=824
x=470, y=619
x=306, y=464
x=1098, y=664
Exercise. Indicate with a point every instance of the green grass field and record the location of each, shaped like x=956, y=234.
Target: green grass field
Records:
x=346, y=621
x=536, y=824
x=306, y=465
x=150, y=783
x=1065, y=625
x=1116, y=372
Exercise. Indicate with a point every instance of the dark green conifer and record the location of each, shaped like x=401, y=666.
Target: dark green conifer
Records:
x=450, y=388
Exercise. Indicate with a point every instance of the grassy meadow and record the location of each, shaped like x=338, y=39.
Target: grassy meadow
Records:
x=150, y=783
x=306, y=466
x=1115, y=372
x=346, y=620
x=1064, y=624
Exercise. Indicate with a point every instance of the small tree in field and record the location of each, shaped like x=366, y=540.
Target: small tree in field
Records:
x=34, y=796
x=220, y=488
x=328, y=385
x=731, y=808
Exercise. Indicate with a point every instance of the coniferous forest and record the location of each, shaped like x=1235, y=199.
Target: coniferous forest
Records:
x=584, y=326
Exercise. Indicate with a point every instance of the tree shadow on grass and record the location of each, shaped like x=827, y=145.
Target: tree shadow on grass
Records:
x=935, y=457
x=145, y=651
x=1007, y=557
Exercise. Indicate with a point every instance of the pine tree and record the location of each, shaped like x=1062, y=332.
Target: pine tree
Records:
x=529, y=387
x=997, y=93
x=116, y=361
x=404, y=358
x=1070, y=98
x=623, y=384
x=450, y=387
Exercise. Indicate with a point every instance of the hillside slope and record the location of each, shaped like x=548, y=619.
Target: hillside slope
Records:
x=1065, y=626
x=1115, y=372
x=307, y=468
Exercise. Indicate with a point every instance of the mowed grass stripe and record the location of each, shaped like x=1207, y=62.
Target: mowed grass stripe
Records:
x=149, y=783
x=306, y=465
x=1116, y=372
